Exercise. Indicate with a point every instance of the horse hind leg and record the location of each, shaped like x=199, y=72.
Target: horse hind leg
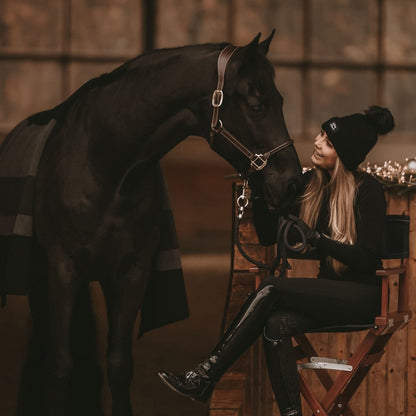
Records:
x=64, y=285
x=85, y=391
x=123, y=295
x=31, y=396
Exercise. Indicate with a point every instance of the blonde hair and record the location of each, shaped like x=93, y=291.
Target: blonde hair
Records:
x=341, y=188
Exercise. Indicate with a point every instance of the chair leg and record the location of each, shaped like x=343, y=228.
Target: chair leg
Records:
x=342, y=389
x=309, y=351
x=311, y=398
x=346, y=383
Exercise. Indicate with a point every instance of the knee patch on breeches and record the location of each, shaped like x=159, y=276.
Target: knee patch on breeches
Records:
x=277, y=327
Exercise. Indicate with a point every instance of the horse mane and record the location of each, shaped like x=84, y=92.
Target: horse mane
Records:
x=142, y=62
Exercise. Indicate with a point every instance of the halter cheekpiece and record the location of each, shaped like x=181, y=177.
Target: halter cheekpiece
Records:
x=257, y=160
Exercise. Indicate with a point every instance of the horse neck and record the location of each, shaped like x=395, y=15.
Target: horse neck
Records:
x=143, y=112
x=162, y=89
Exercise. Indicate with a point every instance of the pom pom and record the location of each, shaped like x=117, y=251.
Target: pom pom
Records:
x=381, y=118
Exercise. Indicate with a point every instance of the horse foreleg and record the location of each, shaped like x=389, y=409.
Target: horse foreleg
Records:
x=123, y=297
x=63, y=287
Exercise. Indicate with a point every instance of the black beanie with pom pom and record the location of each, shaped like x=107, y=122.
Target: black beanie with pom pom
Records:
x=355, y=135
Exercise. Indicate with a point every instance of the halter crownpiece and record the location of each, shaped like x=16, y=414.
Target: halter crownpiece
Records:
x=257, y=160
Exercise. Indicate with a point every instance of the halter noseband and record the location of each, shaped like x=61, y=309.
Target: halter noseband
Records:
x=257, y=160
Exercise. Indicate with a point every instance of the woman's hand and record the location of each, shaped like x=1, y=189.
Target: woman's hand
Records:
x=311, y=235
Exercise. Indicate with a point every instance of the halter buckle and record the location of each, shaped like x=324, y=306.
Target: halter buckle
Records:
x=217, y=98
x=258, y=161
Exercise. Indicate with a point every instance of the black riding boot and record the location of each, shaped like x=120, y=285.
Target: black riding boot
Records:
x=280, y=358
x=199, y=383
x=283, y=374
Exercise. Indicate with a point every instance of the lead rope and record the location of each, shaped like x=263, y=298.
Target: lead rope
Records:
x=282, y=239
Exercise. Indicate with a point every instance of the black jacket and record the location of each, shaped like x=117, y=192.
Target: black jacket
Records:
x=361, y=258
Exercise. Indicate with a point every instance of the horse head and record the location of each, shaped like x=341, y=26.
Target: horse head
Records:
x=248, y=127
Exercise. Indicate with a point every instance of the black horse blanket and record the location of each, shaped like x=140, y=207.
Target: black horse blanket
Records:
x=165, y=299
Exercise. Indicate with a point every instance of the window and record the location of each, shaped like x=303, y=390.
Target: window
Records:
x=332, y=57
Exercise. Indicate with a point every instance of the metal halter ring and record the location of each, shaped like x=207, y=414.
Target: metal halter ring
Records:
x=259, y=161
x=242, y=200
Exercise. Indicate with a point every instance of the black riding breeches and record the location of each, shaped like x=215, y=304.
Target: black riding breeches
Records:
x=324, y=302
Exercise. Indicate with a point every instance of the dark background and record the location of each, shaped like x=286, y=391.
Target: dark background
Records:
x=332, y=57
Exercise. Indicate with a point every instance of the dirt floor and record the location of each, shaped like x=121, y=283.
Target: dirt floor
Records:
x=175, y=347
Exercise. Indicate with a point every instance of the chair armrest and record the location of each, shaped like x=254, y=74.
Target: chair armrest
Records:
x=392, y=322
x=388, y=271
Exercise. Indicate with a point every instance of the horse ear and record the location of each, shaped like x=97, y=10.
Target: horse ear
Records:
x=263, y=47
x=255, y=41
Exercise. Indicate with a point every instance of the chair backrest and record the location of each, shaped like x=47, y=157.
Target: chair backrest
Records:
x=396, y=237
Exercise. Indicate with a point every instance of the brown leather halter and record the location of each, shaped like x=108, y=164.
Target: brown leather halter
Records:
x=257, y=160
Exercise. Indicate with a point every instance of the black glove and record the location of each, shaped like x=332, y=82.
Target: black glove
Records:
x=312, y=236
x=256, y=183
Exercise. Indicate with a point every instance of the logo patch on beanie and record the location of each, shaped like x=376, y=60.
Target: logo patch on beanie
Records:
x=333, y=126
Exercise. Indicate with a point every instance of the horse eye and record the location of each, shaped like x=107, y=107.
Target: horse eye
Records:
x=257, y=108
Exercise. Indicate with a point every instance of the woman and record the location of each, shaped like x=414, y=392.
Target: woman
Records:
x=341, y=213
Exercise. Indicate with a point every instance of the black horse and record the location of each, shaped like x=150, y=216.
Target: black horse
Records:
x=98, y=191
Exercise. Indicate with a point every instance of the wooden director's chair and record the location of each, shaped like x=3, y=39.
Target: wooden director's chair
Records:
x=242, y=390
x=394, y=315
